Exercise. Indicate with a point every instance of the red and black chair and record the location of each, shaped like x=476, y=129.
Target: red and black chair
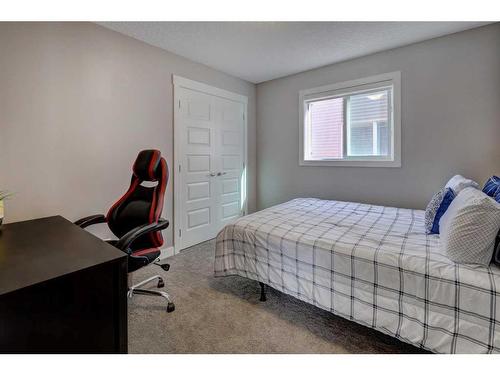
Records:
x=135, y=220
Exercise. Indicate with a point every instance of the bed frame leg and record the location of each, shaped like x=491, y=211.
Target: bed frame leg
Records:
x=263, y=297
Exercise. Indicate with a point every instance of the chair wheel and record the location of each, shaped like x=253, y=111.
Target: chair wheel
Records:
x=170, y=307
x=166, y=267
x=161, y=283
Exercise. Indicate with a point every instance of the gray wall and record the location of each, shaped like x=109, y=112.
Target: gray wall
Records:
x=450, y=124
x=77, y=102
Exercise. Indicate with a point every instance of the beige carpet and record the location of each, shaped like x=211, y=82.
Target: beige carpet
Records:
x=224, y=315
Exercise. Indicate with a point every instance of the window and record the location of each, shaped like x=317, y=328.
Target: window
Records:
x=355, y=123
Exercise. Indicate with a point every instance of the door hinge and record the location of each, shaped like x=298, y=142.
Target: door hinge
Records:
x=179, y=167
x=243, y=165
x=243, y=117
x=179, y=103
x=180, y=233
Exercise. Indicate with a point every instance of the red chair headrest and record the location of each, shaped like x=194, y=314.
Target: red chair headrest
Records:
x=146, y=166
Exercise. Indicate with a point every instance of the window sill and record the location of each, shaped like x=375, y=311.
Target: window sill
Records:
x=352, y=163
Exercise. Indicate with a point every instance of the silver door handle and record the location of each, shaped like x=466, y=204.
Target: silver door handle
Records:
x=211, y=175
x=221, y=173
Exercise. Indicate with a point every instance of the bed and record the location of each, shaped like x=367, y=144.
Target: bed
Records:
x=371, y=264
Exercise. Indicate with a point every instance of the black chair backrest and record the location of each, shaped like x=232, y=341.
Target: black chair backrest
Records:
x=141, y=204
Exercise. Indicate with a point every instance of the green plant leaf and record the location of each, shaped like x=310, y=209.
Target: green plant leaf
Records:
x=4, y=195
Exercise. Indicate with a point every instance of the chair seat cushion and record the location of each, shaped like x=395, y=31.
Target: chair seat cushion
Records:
x=151, y=252
x=142, y=257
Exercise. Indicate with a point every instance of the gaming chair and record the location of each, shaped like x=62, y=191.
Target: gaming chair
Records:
x=135, y=220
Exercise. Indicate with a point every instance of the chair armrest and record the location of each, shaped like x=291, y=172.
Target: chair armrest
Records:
x=90, y=220
x=126, y=240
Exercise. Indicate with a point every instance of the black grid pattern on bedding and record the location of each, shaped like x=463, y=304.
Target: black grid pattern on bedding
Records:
x=371, y=264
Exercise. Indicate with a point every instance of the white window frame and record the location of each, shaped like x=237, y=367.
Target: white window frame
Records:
x=380, y=81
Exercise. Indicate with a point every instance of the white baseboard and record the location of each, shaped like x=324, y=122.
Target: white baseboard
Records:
x=166, y=252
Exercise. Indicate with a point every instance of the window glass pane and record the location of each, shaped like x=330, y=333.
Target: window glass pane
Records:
x=383, y=138
x=369, y=134
x=326, y=126
x=361, y=140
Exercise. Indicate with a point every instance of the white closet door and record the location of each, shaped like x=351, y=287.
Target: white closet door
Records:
x=198, y=165
x=210, y=174
x=230, y=156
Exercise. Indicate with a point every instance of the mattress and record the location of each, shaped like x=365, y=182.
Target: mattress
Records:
x=371, y=264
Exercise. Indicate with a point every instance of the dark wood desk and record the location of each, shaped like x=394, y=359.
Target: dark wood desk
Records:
x=62, y=290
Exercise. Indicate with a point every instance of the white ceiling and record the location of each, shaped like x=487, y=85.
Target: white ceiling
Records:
x=261, y=51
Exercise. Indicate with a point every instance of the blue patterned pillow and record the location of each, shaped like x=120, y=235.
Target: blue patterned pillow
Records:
x=492, y=188
x=436, y=208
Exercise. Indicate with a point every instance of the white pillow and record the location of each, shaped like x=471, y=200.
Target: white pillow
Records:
x=458, y=183
x=469, y=227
